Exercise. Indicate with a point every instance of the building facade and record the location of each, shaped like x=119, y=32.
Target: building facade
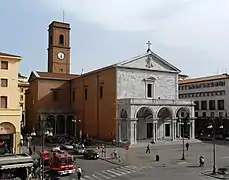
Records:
x=23, y=85
x=210, y=97
x=10, y=112
x=130, y=101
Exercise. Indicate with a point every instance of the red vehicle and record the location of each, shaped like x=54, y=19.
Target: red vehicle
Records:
x=62, y=162
x=45, y=156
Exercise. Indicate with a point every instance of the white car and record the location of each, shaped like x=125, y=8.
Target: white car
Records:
x=66, y=147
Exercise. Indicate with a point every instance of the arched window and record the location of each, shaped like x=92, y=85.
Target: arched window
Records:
x=61, y=39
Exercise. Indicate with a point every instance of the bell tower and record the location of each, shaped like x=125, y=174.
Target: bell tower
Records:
x=59, y=47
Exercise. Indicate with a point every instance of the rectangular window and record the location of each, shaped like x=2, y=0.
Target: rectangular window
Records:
x=4, y=65
x=21, y=105
x=149, y=91
x=85, y=94
x=101, y=92
x=212, y=114
x=211, y=104
x=220, y=104
x=73, y=96
x=4, y=102
x=21, y=97
x=4, y=82
x=203, y=105
x=55, y=95
x=197, y=105
x=220, y=114
x=204, y=114
x=196, y=114
x=33, y=100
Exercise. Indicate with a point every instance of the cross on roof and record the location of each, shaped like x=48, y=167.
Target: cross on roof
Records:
x=148, y=46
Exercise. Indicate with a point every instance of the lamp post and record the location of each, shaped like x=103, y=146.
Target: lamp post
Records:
x=184, y=118
x=213, y=127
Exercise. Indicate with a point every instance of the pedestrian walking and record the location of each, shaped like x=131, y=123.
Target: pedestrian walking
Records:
x=30, y=151
x=187, y=146
x=147, y=149
x=103, y=151
x=34, y=149
x=79, y=172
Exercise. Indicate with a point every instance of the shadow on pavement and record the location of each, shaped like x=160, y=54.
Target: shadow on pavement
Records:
x=193, y=166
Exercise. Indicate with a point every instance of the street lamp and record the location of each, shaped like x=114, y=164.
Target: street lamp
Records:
x=184, y=118
x=213, y=126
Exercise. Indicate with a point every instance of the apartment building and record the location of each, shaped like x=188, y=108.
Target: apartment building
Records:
x=209, y=95
x=23, y=85
x=9, y=105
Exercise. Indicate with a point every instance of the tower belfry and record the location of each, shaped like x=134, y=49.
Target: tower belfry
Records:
x=59, y=47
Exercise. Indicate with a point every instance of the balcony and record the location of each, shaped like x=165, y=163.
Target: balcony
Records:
x=156, y=102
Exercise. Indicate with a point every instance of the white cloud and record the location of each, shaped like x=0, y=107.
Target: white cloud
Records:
x=191, y=23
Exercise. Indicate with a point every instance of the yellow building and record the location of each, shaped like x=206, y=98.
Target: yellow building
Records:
x=10, y=112
x=23, y=85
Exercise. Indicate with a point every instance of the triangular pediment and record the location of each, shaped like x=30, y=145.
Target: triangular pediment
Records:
x=149, y=61
x=33, y=76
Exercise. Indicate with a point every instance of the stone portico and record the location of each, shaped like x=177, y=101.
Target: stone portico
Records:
x=147, y=119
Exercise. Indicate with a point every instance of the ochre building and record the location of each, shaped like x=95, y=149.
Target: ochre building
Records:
x=130, y=101
x=10, y=112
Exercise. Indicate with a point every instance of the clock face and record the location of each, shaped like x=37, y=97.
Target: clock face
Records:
x=60, y=55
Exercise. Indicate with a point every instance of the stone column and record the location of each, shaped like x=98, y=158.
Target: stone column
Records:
x=193, y=129
x=174, y=130
x=133, y=131
x=118, y=130
x=155, y=131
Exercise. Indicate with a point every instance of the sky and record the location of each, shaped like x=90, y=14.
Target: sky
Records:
x=193, y=35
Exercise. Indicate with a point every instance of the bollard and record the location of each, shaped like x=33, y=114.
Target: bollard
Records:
x=157, y=157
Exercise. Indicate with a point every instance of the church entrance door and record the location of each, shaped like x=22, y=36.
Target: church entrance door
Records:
x=149, y=130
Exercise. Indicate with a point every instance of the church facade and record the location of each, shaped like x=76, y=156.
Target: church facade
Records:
x=133, y=100
x=147, y=101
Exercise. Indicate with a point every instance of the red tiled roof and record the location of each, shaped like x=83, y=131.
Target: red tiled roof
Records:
x=203, y=79
x=6, y=54
x=48, y=75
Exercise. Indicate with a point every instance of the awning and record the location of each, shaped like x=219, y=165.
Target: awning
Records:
x=14, y=166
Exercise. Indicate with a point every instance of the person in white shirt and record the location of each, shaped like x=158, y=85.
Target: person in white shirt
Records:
x=79, y=172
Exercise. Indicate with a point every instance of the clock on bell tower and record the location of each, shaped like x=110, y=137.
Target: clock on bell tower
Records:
x=59, y=47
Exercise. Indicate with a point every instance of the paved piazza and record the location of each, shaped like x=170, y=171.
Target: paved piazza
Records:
x=143, y=166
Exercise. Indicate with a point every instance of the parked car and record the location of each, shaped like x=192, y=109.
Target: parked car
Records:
x=227, y=138
x=91, y=154
x=78, y=149
x=219, y=137
x=205, y=138
x=66, y=147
